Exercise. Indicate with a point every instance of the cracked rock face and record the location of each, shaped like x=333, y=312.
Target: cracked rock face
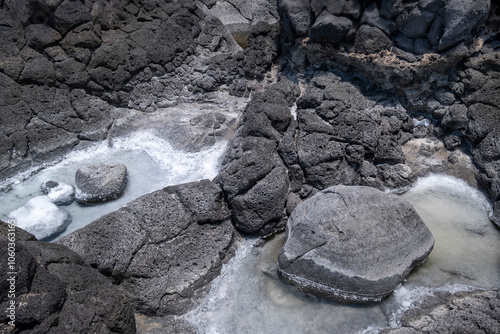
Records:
x=57, y=292
x=353, y=244
x=163, y=248
x=414, y=26
x=100, y=182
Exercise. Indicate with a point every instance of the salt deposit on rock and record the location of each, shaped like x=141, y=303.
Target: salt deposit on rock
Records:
x=58, y=193
x=41, y=217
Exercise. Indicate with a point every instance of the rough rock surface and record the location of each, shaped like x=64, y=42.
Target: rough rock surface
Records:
x=330, y=28
x=353, y=244
x=461, y=312
x=438, y=59
x=100, y=182
x=414, y=26
x=253, y=176
x=450, y=78
x=162, y=248
x=345, y=137
x=62, y=62
x=57, y=292
x=41, y=217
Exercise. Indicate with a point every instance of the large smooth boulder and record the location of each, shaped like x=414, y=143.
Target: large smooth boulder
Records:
x=353, y=244
x=163, y=248
x=100, y=182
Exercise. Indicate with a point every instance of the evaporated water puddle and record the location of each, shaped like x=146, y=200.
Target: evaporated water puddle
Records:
x=152, y=163
x=248, y=298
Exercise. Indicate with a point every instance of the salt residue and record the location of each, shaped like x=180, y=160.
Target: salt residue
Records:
x=61, y=194
x=293, y=111
x=152, y=164
x=40, y=217
x=453, y=186
x=219, y=291
x=425, y=122
x=410, y=298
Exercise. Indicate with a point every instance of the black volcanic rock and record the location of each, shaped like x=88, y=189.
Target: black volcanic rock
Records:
x=353, y=244
x=330, y=28
x=57, y=292
x=460, y=312
x=253, y=176
x=462, y=17
x=350, y=8
x=162, y=248
x=415, y=24
x=371, y=40
x=373, y=17
x=296, y=17
x=84, y=51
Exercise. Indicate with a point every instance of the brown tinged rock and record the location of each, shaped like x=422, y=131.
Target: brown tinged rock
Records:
x=352, y=244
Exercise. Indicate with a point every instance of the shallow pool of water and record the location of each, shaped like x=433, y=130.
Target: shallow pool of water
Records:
x=467, y=243
x=248, y=297
x=152, y=163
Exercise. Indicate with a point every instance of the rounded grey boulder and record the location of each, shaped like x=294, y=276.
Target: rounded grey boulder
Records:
x=353, y=244
x=100, y=182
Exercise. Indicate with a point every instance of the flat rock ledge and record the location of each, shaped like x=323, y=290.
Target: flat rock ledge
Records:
x=353, y=244
x=100, y=182
x=163, y=248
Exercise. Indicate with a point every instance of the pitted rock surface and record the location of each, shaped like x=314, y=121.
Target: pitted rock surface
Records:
x=57, y=292
x=162, y=248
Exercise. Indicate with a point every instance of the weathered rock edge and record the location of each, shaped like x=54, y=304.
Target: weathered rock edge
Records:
x=461, y=312
x=163, y=248
x=57, y=292
x=329, y=258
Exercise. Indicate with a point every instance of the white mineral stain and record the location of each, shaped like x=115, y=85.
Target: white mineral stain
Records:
x=152, y=163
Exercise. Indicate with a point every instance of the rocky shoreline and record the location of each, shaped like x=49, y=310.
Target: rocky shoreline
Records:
x=339, y=93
